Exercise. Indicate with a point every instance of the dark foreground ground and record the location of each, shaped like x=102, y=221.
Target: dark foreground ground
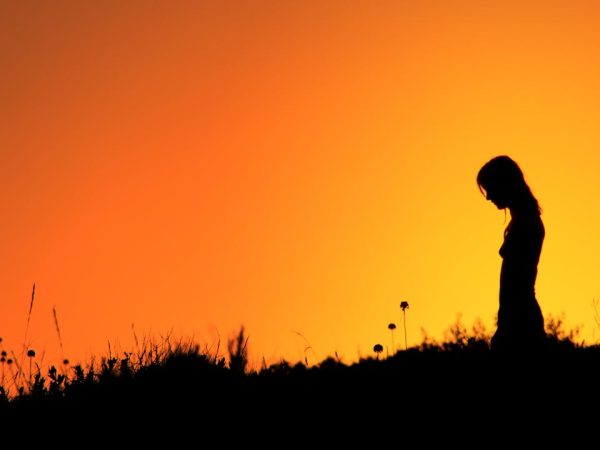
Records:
x=425, y=393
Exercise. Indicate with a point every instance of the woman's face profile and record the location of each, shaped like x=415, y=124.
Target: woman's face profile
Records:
x=495, y=196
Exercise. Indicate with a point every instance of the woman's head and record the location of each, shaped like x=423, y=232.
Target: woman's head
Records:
x=502, y=182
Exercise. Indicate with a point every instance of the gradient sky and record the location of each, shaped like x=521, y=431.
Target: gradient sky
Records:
x=290, y=166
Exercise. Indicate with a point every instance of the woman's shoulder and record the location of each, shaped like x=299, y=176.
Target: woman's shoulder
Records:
x=533, y=223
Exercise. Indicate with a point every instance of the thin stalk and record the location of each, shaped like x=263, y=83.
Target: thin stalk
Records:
x=405, y=339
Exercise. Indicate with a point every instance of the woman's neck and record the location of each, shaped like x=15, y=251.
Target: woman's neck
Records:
x=520, y=210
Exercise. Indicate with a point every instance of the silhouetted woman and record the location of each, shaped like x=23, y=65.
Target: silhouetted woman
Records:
x=520, y=320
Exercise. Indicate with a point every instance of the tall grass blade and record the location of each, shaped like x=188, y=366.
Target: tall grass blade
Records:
x=57, y=329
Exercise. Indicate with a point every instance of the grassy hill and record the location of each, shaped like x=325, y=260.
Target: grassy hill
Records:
x=444, y=383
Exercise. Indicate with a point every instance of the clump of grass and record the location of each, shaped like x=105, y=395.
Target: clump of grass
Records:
x=238, y=352
x=558, y=337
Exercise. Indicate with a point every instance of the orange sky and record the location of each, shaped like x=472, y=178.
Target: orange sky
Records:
x=289, y=166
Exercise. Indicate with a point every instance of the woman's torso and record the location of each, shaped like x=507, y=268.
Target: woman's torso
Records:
x=520, y=253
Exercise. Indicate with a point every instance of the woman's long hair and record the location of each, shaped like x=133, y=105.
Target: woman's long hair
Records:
x=502, y=174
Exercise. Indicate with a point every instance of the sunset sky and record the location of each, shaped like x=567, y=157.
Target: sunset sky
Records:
x=292, y=166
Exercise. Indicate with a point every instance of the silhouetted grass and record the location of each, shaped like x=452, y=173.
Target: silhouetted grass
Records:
x=165, y=380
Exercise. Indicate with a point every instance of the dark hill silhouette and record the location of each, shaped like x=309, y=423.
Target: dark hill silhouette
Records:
x=443, y=384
